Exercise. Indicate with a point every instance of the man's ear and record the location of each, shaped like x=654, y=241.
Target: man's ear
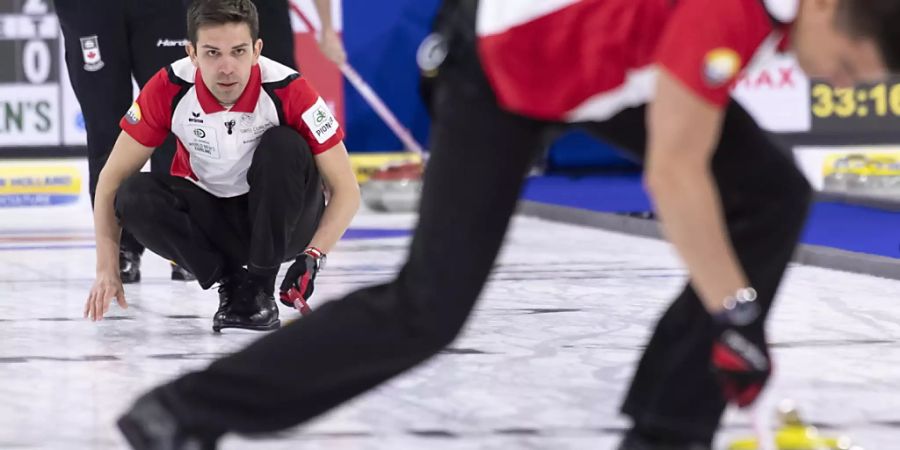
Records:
x=191, y=52
x=257, y=50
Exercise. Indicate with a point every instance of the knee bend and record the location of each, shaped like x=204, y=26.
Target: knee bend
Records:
x=442, y=333
x=131, y=202
x=280, y=145
x=435, y=324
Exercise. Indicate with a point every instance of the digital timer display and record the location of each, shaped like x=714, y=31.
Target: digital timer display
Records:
x=872, y=107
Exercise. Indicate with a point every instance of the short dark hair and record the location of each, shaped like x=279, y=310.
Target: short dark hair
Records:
x=874, y=19
x=220, y=12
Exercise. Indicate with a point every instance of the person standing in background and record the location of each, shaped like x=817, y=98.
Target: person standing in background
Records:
x=107, y=42
x=276, y=31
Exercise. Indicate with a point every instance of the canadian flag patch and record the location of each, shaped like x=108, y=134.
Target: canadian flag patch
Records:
x=90, y=50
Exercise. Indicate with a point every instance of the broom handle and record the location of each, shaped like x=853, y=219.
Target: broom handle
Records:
x=371, y=97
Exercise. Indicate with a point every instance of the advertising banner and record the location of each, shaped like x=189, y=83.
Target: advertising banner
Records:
x=30, y=74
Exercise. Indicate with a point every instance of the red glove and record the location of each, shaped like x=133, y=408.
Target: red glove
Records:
x=299, y=282
x=740, y=354
x=741, y=362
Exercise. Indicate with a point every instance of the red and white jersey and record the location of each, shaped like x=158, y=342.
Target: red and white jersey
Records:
x=586, y=60
x=215, y=144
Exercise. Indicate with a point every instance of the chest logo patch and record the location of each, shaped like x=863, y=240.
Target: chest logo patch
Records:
x=203, y=142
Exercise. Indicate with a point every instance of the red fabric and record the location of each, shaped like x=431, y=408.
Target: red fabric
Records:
x=295, y=296
x=577, y=52
x=304, y=284
x=245, y=103
x=314, y=252
x=296, y=98
x=724, y=358
x=181, y=163
x=748, y=395
x=587, y=48
x=698, y=28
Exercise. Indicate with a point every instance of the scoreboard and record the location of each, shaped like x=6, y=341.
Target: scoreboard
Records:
x=864, y=108
x=37, y=106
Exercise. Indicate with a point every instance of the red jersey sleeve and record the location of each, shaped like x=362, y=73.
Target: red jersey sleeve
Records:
x=707, y=43
x=149, y=120
x=306, y=112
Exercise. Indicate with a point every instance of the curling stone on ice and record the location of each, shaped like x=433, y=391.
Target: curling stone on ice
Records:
x=394, y=188
x=795, y=434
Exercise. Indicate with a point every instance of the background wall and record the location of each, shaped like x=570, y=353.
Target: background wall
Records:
x=381, y=40
x=40, y=117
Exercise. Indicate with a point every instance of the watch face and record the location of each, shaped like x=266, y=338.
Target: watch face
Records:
x=745, y=295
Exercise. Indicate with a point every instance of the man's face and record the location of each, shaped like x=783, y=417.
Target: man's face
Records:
x=225, y=55
x=825, y=51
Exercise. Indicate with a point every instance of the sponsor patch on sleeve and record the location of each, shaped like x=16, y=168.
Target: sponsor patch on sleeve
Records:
x=133, y=116
x=721, y=65
x=321, y=121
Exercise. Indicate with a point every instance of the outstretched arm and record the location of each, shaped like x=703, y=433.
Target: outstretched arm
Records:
x=127, y=158
x=683, y=131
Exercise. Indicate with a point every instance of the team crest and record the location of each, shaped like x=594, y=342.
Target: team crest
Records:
x=90, y=50
x=721, y=65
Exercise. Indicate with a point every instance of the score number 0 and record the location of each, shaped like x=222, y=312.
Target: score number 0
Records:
x=36, y=56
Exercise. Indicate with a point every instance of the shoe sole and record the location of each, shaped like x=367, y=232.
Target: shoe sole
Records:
x=268, y=327
x=130, y=280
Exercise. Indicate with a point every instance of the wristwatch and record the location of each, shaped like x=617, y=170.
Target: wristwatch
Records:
x=739, y=309
x=318, y=256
